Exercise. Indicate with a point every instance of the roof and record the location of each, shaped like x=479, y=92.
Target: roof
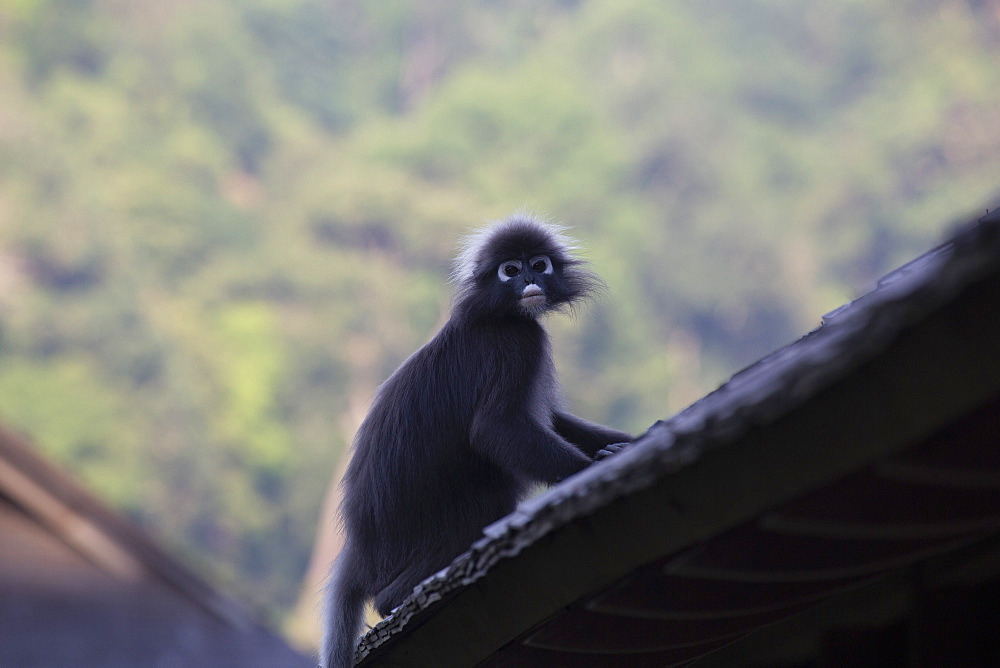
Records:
x=83, y=586
x=812, y=487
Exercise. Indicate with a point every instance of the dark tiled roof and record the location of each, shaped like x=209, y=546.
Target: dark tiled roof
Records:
x=81, y=586
x=825, y=470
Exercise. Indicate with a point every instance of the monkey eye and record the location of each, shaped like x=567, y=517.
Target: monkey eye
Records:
x=509, y=270
x=541, y=263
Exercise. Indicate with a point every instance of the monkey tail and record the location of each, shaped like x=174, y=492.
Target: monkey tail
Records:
x=344, y=614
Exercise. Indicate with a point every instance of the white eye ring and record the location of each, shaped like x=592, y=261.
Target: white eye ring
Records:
x=509, y=270
x=546, y=264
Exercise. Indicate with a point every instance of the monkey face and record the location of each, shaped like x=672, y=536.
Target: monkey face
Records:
x=520, y=267
x=526, y=277
x=527, y=280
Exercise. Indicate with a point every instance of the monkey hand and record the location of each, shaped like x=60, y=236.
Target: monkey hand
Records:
x=609, y=450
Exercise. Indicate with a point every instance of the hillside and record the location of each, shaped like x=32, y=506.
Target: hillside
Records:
x=222, y=224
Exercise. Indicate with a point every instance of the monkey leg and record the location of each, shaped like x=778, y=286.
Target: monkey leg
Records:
x=401, y=586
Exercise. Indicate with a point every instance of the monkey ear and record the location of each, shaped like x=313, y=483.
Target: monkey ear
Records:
x=469, y=256
x=583, y=283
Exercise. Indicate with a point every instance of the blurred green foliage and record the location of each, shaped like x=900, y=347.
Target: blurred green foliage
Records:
x=222, y=224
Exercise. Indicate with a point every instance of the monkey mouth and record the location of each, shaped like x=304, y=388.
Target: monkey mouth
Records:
x=532, y=297
x=533, y=301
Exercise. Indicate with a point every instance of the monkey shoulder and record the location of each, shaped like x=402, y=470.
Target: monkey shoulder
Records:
x=464, y=366
x=435, y=385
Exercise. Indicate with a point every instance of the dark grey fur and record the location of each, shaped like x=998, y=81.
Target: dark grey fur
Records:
x=457, y=435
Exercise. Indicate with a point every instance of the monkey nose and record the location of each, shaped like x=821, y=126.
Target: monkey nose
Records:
x=531, y=290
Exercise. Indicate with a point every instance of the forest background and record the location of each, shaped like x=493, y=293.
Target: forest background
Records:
x=223, y=223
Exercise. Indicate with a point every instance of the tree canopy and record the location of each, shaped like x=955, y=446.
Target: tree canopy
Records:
x=222, y=224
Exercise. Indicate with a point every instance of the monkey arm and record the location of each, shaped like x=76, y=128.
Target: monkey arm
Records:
x=517, y=443
x=587, y=436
